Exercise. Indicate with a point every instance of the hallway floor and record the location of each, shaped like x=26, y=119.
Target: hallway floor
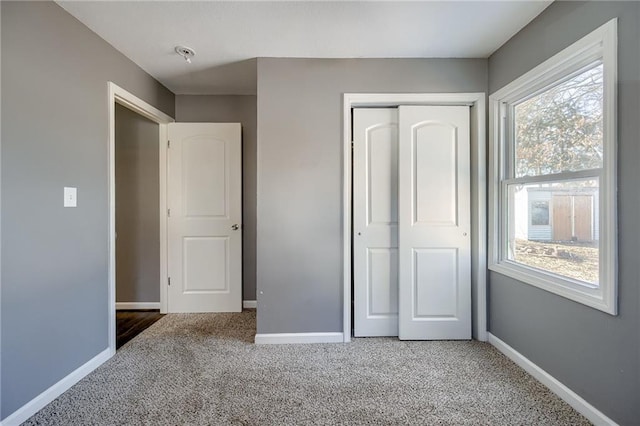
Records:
x=130, y=323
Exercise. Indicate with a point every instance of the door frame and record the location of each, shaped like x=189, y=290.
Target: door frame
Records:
x=477, y=102
x=118, y=95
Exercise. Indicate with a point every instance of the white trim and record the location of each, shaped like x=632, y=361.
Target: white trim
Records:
x=40, y=401
x=297, y=338
x=594, y=415
x=609, y=179
x=118, y=95
x=478, y=191
x=137, y=305
x=598, y=46
x=584, y=51
x=0, y=219
x=163, y=206
x=249, y=304
x=566, y=287
x=566, y=176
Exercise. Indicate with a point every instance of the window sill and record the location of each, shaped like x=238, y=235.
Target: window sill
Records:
x=592, y=296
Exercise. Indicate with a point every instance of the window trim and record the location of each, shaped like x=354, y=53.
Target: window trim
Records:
x=598, y=46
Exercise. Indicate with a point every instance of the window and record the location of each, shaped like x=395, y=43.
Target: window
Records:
x=553, y=136
x=539, y=213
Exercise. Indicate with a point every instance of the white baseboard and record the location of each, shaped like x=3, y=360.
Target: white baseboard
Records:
x=249, y=304
x=137, y=305
x=40, y=401
x=288, y=338
x=594, y=415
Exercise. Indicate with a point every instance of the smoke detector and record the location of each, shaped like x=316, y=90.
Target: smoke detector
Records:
x=186, y=52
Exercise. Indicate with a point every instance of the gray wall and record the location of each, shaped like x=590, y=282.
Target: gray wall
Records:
x=595, y=354
x=242, y=109
x=137, y=201
x=299, y=229
x=54, y=134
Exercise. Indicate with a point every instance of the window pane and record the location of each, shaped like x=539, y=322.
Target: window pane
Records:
x=560, y=130
x=554, y=227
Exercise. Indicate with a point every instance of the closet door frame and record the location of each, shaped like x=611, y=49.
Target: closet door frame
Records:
x=477, y=103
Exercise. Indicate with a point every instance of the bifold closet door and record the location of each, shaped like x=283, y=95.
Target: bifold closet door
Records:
x=375, y=221
x=434, y=221
x=411, y=222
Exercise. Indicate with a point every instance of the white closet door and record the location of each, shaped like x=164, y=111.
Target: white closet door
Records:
x=434, y=223
x=204, y=226
x=375, y=221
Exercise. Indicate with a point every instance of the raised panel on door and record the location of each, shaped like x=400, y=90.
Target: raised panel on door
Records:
x=435, y=186
x=375, y=216
x=205, y=261
x=205, y=237
x=434, y=223
x=382, y=282
x=205, y=177
x=435, y=283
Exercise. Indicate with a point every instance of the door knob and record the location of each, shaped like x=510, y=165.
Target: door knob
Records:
x=235, y=227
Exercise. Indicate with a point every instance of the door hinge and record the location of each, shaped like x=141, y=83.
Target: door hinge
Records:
x=169, y=280
x=168, y=212
x=351, y=145
x=168, y=143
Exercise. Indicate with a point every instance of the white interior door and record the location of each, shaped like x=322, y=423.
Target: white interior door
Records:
x=434, y=223
x=204, y=223
x=375, y=221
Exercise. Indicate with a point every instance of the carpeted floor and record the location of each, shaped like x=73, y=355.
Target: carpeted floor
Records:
x=203, y=369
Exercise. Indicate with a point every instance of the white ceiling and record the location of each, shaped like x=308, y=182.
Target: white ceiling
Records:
x=226, y=35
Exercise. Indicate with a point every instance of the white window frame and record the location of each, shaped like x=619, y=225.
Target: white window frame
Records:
x=600, y=45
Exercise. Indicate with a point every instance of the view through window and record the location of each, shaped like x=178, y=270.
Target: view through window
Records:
x=558, y=134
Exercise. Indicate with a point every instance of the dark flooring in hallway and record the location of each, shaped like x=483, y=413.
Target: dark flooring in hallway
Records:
x=130, y=323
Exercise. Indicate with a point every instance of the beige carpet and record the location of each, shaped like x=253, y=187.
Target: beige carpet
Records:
x=203, y=369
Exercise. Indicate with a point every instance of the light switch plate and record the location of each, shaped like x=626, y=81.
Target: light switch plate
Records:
x=70, y=197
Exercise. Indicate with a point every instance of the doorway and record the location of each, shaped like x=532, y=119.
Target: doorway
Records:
x=118, y=97
x=137, y=223
x=137, y=191
x=475, y=103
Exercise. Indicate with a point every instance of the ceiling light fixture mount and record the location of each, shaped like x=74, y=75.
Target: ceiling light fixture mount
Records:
x=186, y=52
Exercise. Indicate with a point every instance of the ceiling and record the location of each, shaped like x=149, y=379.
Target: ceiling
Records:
x=227, y=35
